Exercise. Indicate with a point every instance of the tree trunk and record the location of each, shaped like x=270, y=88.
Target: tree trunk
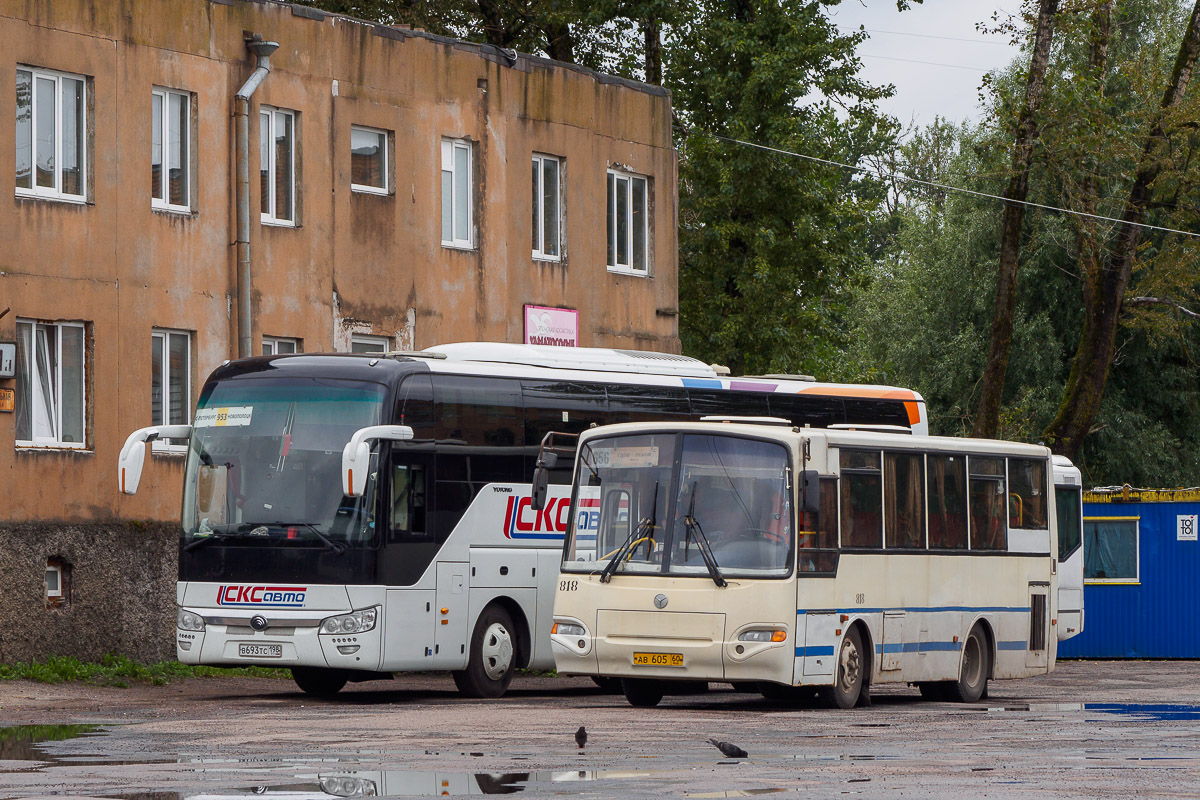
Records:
x=1104, y=290
x=987, y=416
x=652, y=29
x=559, y=44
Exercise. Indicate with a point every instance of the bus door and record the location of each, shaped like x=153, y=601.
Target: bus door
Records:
x=1068, y=502
x=1039, y=624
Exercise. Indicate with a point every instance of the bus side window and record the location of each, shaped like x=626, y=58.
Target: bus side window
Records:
x=904, y=495
x=947, y=490
x=862, y=499
x=408, y=500
x=989, y=503
x=1027, y=499
x=414, y=406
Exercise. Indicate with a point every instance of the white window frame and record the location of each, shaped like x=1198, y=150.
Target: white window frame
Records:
x=185, y=137
x=270, y=345
x=160, y=337
x=371, y=342
x=1137, y=549
x=366, y=188
x=450, y=147
x=538, y=218
x=56, y=192
x=35, y=382
x=616, y=177
x=266, y=116
x=57, y=570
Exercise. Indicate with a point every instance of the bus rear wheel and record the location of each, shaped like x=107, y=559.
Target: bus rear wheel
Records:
x=319, y=681
x=976, y=666
x=492, y=660
x=849, y=675
x=642, y=692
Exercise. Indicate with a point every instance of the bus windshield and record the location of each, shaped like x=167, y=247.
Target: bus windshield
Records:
x=264, y=465
x=682, y=504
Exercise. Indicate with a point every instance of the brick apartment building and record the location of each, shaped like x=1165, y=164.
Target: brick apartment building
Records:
x=404, y=190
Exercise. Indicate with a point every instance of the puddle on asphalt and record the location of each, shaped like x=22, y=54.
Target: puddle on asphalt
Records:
x=1156, y=712
x=28, y=743
x=738, y=792
x=395, y=783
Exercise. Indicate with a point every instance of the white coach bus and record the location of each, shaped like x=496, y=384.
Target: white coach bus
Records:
x=351, y=516
x=795, y=559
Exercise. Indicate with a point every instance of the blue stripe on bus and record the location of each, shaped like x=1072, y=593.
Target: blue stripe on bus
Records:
x=918, y=647
x=929, y=610
x=802, y=652
x=557, y=536
x=1015, y=645
x=702, y=383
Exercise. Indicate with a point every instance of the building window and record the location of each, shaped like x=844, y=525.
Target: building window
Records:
x=50, y=384
x=51, y=134
x=368, y=344
x=170, y=382
x=457, y=228
x=368, y=160
x=277, y=165
x=276, y=346
x=57, y=582
x=628, y=223
x=547, y=220
x=1110, y=549
x=170, y=150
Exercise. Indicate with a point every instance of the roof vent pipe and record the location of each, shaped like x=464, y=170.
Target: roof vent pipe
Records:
x=262, y=52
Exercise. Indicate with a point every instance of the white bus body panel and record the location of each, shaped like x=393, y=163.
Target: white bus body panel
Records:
x=500, y=551
x=1070, y=571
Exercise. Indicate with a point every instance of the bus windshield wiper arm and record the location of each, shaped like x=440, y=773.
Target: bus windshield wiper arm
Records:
x=646, y=524
x=336, y=547
x=209, y=538
x=705, y=549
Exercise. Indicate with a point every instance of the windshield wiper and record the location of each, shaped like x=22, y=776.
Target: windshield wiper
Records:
x=336, y=547
x=199, y=540
x=644, y=526
x=703, y=546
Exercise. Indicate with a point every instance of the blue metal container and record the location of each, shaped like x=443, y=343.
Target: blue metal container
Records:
x=1153, y=614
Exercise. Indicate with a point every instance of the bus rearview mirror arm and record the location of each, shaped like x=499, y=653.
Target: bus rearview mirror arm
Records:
x=356, y=456
x=133, y=453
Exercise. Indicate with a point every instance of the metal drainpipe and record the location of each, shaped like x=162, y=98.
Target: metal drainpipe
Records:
x=262, y=51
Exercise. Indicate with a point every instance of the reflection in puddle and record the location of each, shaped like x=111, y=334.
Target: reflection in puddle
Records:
x=1142, y=711
x=394, y=783
x=738, y=793
x=27, y=743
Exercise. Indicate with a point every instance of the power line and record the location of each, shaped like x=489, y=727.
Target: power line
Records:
x=948, y=38
x=935, y=185
x=917, y=61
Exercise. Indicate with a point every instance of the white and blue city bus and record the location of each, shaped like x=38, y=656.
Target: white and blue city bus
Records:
x=799, y=560
x=350, y=516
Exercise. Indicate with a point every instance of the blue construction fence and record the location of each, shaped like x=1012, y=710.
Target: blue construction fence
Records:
x=1141, y=575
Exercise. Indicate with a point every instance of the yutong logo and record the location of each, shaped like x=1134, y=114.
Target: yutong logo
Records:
x=283, y=596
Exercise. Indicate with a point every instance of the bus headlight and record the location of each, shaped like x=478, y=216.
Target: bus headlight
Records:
x=346, y=786
x=567, y=629
x=187, y=621
x=763, y=636
x=357, y=622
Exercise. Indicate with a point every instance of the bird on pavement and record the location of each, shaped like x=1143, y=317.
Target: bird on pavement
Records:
x=729, y=750
x=581, y=737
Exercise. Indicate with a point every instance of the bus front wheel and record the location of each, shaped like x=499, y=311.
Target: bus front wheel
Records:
x=976, y=665
x=849, y=677
x=319, y=681
x=493, y=656
x=642, y=692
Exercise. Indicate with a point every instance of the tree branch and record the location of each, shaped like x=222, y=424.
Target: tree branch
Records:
x=1160, y=301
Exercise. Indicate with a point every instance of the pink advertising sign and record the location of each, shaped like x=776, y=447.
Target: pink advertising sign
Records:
x=556, y=326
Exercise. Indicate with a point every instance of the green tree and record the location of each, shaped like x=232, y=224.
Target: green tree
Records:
x=767, y=242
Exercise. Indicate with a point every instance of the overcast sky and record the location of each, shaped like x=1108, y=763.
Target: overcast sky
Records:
x=931, y=53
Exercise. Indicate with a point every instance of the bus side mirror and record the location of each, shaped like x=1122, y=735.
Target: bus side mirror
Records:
x=541, y=479
x=810, y=491
x=356, y=456
x=133, y=453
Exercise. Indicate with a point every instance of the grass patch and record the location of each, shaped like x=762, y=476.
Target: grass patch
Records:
x=121, y=671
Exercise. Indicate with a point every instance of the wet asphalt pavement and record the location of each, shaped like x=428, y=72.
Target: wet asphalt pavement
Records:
x=1090, y=729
